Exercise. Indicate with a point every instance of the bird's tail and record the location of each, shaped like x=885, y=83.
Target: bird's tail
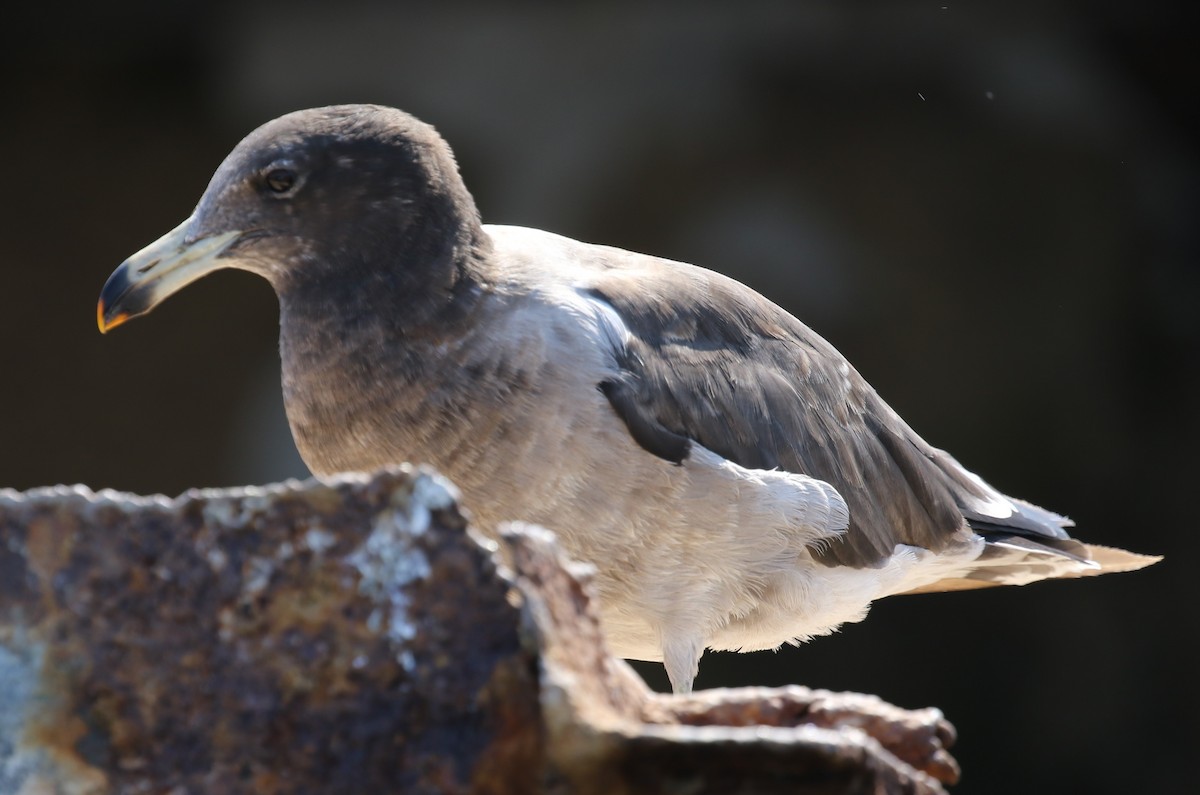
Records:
x=1017, y=560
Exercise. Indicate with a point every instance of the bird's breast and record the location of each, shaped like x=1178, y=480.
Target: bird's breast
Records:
x=509, y=411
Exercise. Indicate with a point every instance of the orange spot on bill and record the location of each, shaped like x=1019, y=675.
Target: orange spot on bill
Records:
x=112, y=322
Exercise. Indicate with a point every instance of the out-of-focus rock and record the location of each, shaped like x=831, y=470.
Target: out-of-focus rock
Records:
x=354, y=636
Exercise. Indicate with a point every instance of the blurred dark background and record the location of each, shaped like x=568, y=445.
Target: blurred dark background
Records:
x=991, y=209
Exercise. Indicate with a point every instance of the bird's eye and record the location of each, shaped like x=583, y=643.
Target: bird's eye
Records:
x=280, y=180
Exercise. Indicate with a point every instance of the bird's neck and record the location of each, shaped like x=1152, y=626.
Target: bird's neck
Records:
x=408, y=276
x=353, y=341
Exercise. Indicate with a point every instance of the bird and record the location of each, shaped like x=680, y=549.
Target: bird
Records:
x=733, y=482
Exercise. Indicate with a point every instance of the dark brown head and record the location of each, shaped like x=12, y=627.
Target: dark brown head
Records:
x=341, y=198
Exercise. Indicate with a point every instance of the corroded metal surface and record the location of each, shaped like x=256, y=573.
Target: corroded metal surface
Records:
x=353, y=636
x=340, y=638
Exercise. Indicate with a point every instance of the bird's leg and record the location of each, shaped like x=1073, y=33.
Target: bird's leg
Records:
x=681, y=657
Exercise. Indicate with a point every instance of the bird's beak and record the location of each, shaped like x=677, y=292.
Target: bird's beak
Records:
x=164, y=267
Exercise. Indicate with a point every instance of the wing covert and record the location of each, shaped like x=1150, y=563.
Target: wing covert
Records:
x=712, y=361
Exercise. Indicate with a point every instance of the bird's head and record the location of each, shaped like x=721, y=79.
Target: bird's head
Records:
x=315, y=193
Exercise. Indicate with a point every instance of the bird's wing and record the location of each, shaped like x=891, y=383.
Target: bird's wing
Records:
x=709, y=360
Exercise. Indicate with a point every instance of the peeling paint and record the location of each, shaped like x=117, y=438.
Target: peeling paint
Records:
x=390, y=559
x=257, y=575
x=27, y=768
x=19, y=674
x=318, y=539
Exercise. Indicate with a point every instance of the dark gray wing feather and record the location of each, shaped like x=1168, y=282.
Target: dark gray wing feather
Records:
x=712, y=361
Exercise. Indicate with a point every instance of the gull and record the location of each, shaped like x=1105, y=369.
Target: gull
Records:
x=732, y=479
